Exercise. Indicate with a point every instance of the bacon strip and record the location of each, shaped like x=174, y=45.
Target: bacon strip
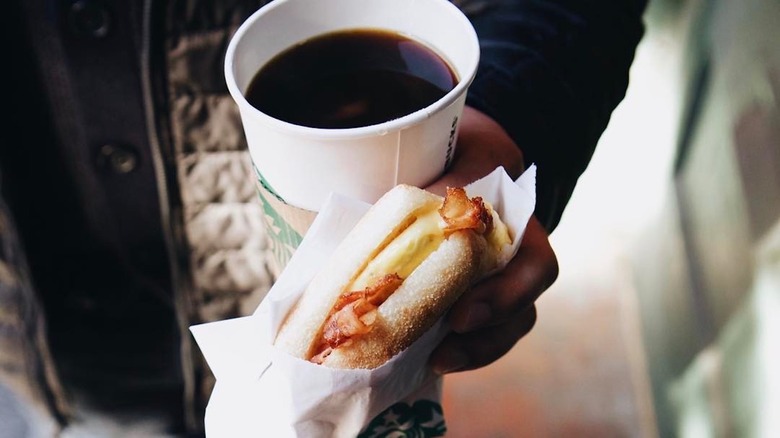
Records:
x=462, y=213
x=353, y=315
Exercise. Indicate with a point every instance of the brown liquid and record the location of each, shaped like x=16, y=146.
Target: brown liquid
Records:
x=349, y=79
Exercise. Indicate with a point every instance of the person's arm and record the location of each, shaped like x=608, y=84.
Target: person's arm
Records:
x=550, y=74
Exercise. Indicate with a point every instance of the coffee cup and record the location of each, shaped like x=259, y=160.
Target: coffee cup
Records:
x=298, y=163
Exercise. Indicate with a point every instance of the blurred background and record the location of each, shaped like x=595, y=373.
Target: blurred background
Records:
x=665, y=320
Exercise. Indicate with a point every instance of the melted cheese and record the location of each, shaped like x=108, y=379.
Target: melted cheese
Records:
x=415, y=243
x=406, y=252
x=499, y=235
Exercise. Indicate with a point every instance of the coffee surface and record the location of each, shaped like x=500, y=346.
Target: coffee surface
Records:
x=349, y=79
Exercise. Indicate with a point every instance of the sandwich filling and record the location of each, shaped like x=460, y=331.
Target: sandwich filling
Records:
x=355, y=311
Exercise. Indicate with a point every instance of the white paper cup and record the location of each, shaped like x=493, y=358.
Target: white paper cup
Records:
x=299, y=165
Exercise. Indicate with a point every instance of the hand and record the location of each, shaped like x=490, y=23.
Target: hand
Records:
x=491, y=317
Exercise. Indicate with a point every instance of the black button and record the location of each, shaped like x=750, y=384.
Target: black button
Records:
x=117, y=159
x=89, y=18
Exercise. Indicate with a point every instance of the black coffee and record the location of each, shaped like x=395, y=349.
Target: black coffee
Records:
x=348, y=79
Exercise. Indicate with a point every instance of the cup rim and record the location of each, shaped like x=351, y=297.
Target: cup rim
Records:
x=356, y=132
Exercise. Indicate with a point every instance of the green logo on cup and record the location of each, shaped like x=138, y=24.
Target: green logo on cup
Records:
x=284, y=239
x=423, y=419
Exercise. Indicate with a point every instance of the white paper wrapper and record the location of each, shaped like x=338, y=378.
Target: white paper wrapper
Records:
x=261, y=391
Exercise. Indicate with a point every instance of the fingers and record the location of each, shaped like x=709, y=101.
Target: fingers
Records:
x=490, y=318
x=501, y=297
x=466, y=351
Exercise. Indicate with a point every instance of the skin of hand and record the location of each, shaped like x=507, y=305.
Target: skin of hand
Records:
x=489, y=319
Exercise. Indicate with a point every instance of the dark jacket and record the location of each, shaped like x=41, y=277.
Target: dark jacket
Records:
x=128, y=210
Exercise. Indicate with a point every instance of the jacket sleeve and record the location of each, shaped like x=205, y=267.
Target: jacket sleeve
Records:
x=551, y=72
